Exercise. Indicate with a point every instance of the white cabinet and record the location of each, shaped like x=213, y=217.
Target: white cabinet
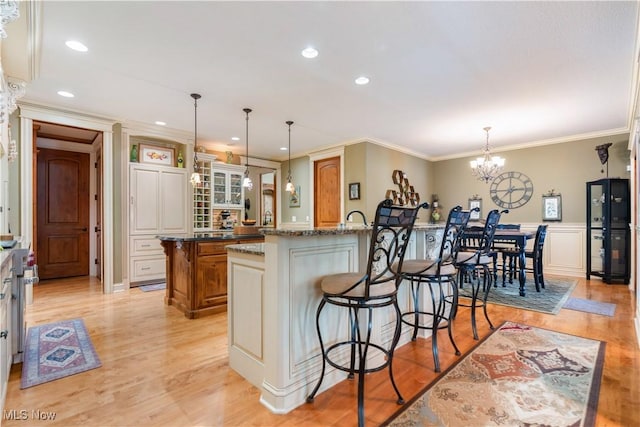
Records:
x=202, y=214
x=220, y=188
x=227, y=186
x=6, y=354
x=158, y=205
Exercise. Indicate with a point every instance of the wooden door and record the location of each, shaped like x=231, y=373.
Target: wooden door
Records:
x=62, y=213
x=327, y=192
x=99, y=214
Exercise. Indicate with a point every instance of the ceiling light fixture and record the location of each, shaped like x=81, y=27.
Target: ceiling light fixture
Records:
x=195, y=176
x=65, y=94
x=290, y=187
x=486, y=168
x=309, y=52
x=76, y=45
x=246, y=181
x=362, y=80
x=161, y=123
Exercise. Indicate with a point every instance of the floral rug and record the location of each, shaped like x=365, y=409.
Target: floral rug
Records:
x=57, y=350
x=518, y=376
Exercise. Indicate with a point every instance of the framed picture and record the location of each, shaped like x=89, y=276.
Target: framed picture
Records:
x=354, y=191
x=475, y=203
x=552, y=208
x=294, y=199
x=157, y=155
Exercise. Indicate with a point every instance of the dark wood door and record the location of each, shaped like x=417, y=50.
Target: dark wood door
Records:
x=327, y=192
x=62, y=214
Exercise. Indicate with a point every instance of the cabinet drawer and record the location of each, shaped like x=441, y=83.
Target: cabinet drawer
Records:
x=145, y=245
x=211, y=248
x=147, y=268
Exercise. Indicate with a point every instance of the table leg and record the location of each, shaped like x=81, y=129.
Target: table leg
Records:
x=521, y=267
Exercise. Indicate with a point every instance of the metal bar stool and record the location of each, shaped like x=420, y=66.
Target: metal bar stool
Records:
x=375, y=288
x=439, y=276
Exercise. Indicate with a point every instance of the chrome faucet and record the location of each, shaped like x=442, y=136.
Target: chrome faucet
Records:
x=364, y=219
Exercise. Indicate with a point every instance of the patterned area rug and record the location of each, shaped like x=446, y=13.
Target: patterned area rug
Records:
x=518, y=376
x=548, y=300
x=590, y=306
x=57, y=350
x=154, y=287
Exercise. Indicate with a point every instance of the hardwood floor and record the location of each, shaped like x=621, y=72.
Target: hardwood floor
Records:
x=161, y=369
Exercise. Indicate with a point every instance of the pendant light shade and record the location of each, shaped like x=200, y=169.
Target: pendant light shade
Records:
x=246, y=181
x=195, y=176
x=290, y=187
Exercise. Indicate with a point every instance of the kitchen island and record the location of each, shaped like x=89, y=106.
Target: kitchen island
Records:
x=273, y=296
x=196, y=270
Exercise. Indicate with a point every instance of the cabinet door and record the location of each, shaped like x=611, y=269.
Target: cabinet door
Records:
x=173, y=202
x=235, y=190
x=219, y=188
x=211, y=281
x=144, y=203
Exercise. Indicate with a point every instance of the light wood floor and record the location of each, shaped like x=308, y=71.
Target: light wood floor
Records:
x=160, y=369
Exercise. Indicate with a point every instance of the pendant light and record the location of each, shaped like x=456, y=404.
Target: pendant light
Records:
x=486, y=168
x=195, y=176
x=246, y=182
x=290, y=187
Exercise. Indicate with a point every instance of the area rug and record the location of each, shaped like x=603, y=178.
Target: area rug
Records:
x=154, y=287
x=550, y=299
x=590, y=306
x=57, y=350
x=518, y=376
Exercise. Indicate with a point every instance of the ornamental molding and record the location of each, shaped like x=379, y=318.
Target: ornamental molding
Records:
x=8, y=13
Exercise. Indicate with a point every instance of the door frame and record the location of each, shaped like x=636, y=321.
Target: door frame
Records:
x=30, y=113
x=321, y=155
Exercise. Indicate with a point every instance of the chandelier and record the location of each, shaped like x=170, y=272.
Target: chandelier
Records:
x=195, y=176
x=246, y=181
x=486, y=168
x=290, y=187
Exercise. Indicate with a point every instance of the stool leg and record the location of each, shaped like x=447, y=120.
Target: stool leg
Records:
x=394, y=343
x=453, y=287
x=484, y=305
x=415, y=291
x=475, y=288
x=362, y=365
x=317, y=387
x=434, y=329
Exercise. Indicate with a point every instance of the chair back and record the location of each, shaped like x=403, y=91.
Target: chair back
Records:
x=452, y=238
x=515, y=227
x=488, y=232
x=392, y=228
x=541, y=234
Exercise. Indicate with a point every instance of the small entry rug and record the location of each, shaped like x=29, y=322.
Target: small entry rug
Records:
x=590, y=306
x=519, y=375
x=154, y=287
x=57, y=350
x=550, y=299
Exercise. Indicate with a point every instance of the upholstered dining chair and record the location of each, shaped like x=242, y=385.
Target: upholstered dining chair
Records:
x=366, y=291
x=439, y=277
x=535, y=254
x=475, y=266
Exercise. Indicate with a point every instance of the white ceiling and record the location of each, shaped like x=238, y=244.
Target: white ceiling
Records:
x=440, y=71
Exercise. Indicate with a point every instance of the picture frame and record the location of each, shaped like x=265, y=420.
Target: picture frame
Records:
x=475, y=203
x=552, y=208
x=164, y=156
x=354, y=191
x=294, y=199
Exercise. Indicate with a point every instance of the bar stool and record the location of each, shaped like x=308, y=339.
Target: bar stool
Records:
x=474, y=265
x=439, y=276
x=374, y=288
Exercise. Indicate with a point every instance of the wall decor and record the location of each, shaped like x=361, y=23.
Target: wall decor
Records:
x=294, y=198
x=475, y=202
x=157, y=155
x=406, y=195
x=511, y=190
x=354, y=191
x=552, y=207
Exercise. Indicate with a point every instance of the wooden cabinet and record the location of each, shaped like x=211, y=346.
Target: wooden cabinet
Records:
x=157, y=205
x=197, y=275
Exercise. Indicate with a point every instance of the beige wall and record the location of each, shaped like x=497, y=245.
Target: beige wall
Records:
x=564, y=168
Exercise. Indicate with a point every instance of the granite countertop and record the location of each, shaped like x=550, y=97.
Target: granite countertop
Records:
x=332, y=231
x=211, y=236
x=247, y=248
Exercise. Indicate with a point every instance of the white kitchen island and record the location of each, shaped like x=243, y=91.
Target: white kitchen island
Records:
x=273, y=294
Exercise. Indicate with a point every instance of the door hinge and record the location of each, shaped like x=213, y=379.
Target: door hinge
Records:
x=95, y=165
x=95, y=197
x=95, y=261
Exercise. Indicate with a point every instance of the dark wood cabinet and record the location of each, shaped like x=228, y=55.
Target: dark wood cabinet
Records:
x=197, y=275
x=608, y=233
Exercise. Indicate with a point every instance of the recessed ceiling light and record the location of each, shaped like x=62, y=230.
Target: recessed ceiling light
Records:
x=65, y=94
x=283, y=148
x=76, y=45
x=309, y=52
x=362, y=80
x=160, y=123
x=235, y=138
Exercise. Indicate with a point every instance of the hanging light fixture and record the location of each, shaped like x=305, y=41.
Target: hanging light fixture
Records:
x=195, y=176
x=486, y=168
x=246, y=182
x=290, y=187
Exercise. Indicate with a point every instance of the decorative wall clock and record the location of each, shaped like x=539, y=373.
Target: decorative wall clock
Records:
x=511, y=190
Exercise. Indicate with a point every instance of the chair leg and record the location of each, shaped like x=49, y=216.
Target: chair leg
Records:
x=317, y=387
x=415, y=292
x=434, y=329
x=362, y=366
x=394, y=344
x=484, y=301
x=453, y=288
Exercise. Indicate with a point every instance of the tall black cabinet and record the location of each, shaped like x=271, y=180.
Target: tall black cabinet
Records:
x=608, y=233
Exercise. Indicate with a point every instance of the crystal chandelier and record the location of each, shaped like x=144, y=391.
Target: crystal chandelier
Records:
x=290, y=187
x=195, y=176
x=486, y=168
x=246, y=182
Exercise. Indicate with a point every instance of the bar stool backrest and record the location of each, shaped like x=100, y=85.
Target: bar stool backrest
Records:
x=392, y=228
x=451, y=240
x=489, y=231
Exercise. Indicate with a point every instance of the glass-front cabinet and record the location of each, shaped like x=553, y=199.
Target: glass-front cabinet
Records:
x=227, y=188
x=608, y=233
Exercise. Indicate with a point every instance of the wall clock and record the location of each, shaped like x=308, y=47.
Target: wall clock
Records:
x=511, y=190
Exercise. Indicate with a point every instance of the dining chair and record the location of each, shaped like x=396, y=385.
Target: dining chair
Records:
x=439, y=276
x=535, y=254
x=475, y=266
x=503, y=249
x=369, y=290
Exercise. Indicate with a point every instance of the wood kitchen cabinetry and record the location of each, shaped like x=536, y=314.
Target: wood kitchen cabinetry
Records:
x=197, y=273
